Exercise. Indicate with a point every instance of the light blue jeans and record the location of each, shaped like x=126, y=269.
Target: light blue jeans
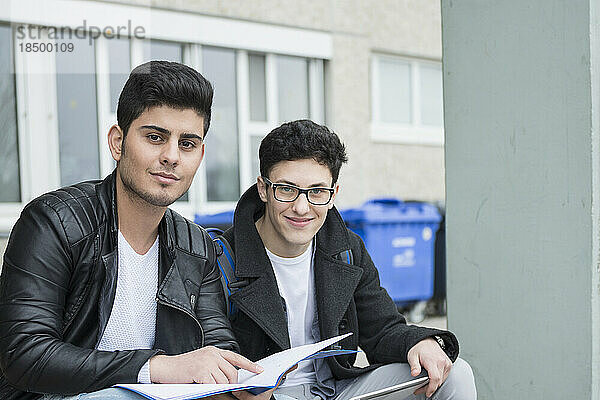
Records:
x=460, y=384
x=104, y=394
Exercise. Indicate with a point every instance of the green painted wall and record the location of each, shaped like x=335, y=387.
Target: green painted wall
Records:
x=521, y=96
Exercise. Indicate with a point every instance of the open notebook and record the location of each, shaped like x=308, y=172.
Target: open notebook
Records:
x=274, y=367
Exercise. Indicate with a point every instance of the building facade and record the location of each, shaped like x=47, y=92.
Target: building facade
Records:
x=371, y=70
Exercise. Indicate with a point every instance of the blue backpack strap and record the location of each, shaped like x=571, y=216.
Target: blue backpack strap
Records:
x=226, y=263
x=346, y=256
x=214, y=232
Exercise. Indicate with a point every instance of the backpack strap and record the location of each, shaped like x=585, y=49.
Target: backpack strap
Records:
x=345, y=256
x=226, y=263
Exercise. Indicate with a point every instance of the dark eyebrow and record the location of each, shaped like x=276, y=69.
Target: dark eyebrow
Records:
x=190, y=136
x=320, y=184
x=168, y=132
x=156, y=128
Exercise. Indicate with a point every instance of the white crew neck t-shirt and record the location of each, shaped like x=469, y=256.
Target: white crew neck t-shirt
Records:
x=132, y=321
x=295, y=279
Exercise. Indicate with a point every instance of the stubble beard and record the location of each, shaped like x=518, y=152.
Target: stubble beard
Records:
x=135, y=192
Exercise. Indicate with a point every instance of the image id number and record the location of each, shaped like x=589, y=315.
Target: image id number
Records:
x=45, y=47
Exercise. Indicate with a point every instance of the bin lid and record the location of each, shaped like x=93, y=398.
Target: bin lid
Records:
x=391, y=210
x=208, y=220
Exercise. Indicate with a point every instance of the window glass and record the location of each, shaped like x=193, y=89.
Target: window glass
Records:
x=394, y=91
x=432, y=112
x=258, y=92
x=120, y=66
x=222, y=161
x=319, y=96
x=160, y=50
x=9, y=146
x=292, y=84
x=77, y=113
x=254, y=146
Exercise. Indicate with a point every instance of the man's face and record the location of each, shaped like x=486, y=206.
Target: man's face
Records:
x=160, y=154
x=288, y=228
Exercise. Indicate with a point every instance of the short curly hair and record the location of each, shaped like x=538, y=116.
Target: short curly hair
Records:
x=302, y=139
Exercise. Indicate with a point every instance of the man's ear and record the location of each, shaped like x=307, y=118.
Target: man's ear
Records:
x=335, y=192
x=115, y=142
x=262, y=188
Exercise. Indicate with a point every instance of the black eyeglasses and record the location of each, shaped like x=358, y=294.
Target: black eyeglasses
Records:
x=318, y=196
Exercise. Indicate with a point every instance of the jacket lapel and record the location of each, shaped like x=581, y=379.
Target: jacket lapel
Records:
x=260, y=299
x=109, y=287
x=174, y=291
x=335, y=282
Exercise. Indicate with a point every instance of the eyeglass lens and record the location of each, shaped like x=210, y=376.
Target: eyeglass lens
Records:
x=290, y=193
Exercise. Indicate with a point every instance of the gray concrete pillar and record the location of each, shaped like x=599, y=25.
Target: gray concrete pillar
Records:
x=521, y=93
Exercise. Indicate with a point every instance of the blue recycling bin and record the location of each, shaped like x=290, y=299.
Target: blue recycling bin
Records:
x=222, y=220
x=400, y=238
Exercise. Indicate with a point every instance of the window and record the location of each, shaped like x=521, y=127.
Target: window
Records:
x=77, y=112
x=119, y=50
x=274, y=88
x=406, y=100
x=292, y=84
x=221, y=159
x=57, y=106
x=10, y=174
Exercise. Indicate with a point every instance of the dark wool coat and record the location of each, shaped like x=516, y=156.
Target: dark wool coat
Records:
x=348, y=297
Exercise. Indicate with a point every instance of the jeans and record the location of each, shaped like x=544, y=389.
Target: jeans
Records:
x=460, y=384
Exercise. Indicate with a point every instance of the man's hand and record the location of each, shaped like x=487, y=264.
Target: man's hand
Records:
x=206, y=365
x=429, y=355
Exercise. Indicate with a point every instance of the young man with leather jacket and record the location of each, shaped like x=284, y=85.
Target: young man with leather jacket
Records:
x=101, y=282
x=294, y=287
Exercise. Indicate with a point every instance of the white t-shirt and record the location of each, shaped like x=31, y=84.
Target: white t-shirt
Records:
x=295, y=280
x=132, y=321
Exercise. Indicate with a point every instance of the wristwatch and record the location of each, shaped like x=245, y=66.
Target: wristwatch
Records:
x=440, y=342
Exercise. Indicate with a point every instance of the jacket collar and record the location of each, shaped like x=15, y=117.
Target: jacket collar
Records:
x=106, y=192
x=107, y=195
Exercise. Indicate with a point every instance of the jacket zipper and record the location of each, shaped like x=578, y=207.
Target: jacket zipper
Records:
x=183, y=310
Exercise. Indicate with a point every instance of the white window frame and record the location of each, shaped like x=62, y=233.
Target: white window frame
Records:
x=411, y=133
x=39, y=166
x=38, y=131
x=249, y=129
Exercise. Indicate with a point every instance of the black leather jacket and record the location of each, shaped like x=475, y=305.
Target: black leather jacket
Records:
x=58, y=285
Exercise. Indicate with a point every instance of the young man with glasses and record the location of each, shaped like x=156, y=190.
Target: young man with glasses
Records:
x=293, y=288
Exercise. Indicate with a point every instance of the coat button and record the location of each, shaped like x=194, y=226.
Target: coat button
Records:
x=343, y=325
